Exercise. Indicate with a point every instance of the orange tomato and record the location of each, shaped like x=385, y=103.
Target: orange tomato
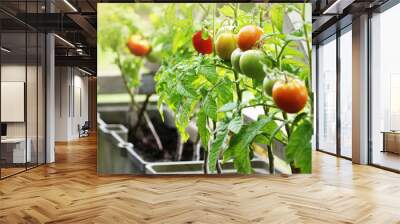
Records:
x=225, y=45
x=138, y=46
x=290, y=96
x=248, y=36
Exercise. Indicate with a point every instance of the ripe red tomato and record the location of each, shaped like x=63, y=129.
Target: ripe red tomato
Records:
x=138, y=46
x=248, y=36
x=202, y=46
x=290, y=96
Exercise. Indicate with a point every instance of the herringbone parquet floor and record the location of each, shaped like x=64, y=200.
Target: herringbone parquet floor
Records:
x=69, y=191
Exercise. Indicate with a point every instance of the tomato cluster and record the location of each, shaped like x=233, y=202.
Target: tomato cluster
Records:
x=290, y=95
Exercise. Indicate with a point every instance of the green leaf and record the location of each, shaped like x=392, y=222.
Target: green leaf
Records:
x=294, y=62
x=227, y=11
x=277, y=14
x=209, y=71
x=210, y=107
x=298, y=118
x=261, y=139
x=289, y=37
x=269, y=129
x=219, y=144
x=235, y=124
x=228, y=107
x=202, y=128
x=276, y=131
x=239, y=144
x=290, y=51
x=224, y=92
x=228, y=155
x=298, y=149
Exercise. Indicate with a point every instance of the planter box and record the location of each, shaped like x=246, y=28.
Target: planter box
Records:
x=114, y=154
x=117, y=156
x=196, y=167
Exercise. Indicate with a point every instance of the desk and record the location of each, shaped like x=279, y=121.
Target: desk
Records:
x=13, y=150
x=391, y=141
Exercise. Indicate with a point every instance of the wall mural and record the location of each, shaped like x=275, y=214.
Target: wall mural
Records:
x=204, y=88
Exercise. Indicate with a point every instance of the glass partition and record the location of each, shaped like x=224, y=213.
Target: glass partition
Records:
x=22, y=77
x=327, y=96
x=385, y=88
x=32, y=98
x=346, y=93
x=41, y=97
x=14, y=153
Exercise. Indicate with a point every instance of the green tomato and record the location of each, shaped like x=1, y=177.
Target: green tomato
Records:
x=153, y=57
x=155, y=54
x=235, y=59
x=268, y=84
x=252, y=64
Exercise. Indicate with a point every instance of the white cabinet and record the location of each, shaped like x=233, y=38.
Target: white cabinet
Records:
x=17, y=146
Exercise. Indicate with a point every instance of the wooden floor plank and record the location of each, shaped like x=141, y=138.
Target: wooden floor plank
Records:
x=69, y=191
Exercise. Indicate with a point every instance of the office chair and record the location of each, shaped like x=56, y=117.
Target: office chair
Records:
x=84, y=130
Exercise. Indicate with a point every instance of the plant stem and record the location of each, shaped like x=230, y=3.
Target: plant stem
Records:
x=134, y=108
x=196, y=149
x=219, y=168
x=218, y=165
x=235, y=14
x=258, y=104
x=144, y=106
x=213, y=24
x=309, y=51
x=239, y=94
x=225, y=67
x=269, y=148
x=271, y=159
x=205, y=168
x=287, y=127
x=276, y=48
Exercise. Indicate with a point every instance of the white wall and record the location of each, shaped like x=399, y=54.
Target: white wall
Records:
x=33, y=126
x=71, y=102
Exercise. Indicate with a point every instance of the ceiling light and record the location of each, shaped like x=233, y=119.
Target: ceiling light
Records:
x=5, y=50
x=65, y=41
x=337, y=7
x=84, y=71
x=70, y=5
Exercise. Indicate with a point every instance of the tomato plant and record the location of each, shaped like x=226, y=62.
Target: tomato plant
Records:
x=220, y=62
x=214, y=92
